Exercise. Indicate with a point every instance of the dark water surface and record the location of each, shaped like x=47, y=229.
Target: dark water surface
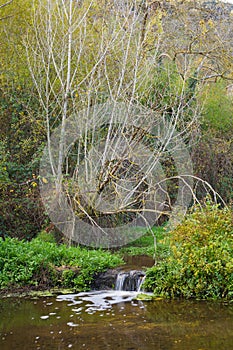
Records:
x=111, y=320
x=137, y=262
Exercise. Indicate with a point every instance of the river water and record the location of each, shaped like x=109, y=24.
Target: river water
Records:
x=112, y=320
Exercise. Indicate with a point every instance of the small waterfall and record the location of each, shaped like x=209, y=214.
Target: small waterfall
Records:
x=141, y=283
x=129, y=281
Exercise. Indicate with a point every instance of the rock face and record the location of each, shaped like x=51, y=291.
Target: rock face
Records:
x=105, y=280
x=119, y=280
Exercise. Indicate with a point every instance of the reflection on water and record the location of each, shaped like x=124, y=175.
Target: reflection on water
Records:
x=111, y=320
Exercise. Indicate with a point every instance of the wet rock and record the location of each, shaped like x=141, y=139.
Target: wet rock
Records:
x=105, y=280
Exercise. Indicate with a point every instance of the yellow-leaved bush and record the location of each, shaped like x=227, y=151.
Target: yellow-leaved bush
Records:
x=200, y=264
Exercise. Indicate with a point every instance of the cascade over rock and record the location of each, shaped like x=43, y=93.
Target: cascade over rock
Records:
x=119, y=280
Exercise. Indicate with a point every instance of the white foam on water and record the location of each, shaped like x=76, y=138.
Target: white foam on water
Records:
x=98, y=300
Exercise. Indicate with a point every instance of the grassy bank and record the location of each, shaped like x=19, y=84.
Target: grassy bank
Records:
x=39, y=264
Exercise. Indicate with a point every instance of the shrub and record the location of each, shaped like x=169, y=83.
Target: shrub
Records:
x=217, y=107
x=200, y=264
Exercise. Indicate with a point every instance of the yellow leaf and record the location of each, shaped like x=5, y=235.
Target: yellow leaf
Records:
x=45, y=181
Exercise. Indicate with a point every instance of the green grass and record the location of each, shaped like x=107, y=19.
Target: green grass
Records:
x=152, y=244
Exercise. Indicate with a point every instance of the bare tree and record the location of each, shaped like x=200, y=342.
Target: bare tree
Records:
x=123, y=110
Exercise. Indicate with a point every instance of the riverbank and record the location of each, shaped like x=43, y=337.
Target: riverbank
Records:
x=43, y=266
x=39, y=265
x=193, y=261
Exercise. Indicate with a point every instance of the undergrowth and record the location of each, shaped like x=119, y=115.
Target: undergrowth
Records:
x=39, y=263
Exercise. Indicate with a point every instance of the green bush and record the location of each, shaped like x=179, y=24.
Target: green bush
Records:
x=217, y=107
x=40, y=263
x=200, y=264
